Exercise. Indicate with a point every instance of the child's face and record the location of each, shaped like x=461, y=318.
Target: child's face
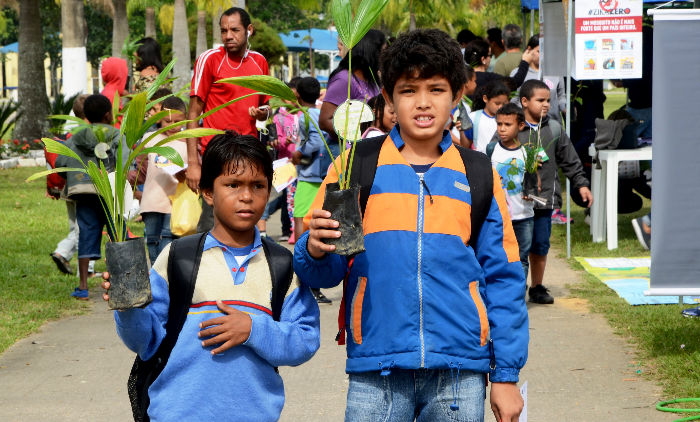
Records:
x=470, y=86
x=172, y=118
x=495, y=103
x=422, y=106
x=389, y=119
x=537, y=106
x=238, y=199
x=155, y=109
x=508, y=127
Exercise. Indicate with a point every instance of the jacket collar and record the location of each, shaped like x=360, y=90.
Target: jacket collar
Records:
x=212, y=242
x=395, y=136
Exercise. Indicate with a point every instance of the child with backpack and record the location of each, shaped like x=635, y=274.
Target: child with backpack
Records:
x=535, y=100
x=495, y=94
x=89, y=210
x=160, y=185
x=437, y=300
x=225, y=307
x=507, y=157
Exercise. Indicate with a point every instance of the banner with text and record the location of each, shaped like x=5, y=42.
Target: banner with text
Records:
x=608, y=39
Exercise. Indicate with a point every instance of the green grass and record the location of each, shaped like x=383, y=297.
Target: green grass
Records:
x=32, y=290
x=658, y=331
x=615, y=100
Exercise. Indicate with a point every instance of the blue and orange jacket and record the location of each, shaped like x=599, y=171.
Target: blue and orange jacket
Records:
x=420, y=297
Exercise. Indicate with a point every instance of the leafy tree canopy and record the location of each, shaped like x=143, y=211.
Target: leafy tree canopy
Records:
x=266, y=42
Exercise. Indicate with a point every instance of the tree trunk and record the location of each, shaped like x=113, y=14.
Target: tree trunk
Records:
x=120, y=28
x=151, y=22
x=31, y=79
x=181, y=46
x=73, y=53
x=216, y=28
x=311, y=54
x=412, y=24
x=201, y=32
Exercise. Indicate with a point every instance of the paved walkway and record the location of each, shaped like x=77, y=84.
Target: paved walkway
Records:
x=76, y=368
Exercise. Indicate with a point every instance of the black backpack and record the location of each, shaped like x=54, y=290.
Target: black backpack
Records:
x=476, y=164
x=183, y=266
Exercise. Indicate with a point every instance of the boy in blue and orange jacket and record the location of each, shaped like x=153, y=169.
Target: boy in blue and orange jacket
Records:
x=427, y=316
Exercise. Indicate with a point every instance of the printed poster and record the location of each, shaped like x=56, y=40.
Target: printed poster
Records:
x=608, y=39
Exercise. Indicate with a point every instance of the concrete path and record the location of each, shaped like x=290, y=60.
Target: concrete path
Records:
x=76, y=368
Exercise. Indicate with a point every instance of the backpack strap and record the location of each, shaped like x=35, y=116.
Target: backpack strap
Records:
x=480, y=177
x=489, y=148
x=555, y=127
x=364, y=166
x=279, y=259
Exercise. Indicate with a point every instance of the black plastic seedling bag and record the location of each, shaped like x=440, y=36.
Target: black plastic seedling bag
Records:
x=531, y=184
x=130, y=286
x=344, y=207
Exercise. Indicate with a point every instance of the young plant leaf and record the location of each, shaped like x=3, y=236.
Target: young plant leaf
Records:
x=342, y=16
x=226, y=104
x=73, y=119
x=167, y=152
x=160, y=80
x=133, y=119
x=367, y=13
x=264, y=84
x=58, y=148
x=52, y=171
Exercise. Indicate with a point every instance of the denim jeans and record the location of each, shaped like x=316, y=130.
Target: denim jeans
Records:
x=157, y=232
x=541, y=232
x=91, y=218
x=643, y=118
x=69, y=246
x=416, y=394
x=279, y=203
x=523, y=233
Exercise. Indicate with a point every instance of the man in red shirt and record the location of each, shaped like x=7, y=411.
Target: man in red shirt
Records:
x=234, y=58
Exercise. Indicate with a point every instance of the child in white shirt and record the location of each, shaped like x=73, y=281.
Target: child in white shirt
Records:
x=495, y=95
x=507, y=157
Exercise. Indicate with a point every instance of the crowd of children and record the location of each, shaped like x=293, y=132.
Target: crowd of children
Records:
x=440, y=289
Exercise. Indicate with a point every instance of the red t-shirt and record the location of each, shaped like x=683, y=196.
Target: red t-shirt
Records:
x=216, y=64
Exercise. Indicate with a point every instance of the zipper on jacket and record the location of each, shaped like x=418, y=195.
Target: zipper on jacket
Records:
x=421, y=201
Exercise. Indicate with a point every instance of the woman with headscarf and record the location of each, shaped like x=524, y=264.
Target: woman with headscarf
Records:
x=114, y=75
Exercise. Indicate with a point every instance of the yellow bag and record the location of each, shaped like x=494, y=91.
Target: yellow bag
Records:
x=186, y=211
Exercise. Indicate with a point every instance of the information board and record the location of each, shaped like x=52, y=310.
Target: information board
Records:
x=608, y=39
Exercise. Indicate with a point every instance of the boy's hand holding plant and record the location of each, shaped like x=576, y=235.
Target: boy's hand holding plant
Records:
x=321, y=227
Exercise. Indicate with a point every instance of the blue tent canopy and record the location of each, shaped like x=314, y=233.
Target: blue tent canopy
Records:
x=9, y=48
x=322, y=39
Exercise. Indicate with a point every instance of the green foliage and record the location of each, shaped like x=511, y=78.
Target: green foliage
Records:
x=266, y=42
x=321, y=61
x=11, y=32
x=99, y=27
x=60, y=105
x=280, y=15
x=132, y=130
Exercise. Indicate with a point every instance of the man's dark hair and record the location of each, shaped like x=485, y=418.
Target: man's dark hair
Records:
x=529, y=87
x=309, y=89
x=534, y=41
x=231, y=153
x=377, y=104
x=149, y=55
x=160, y=93
x=510, y=83
x=96, y=107
x=495, y=35
x=245, y=17
x=511, y=109
x=465, y=36
x=475, y=51
x=78, y=105
x=175, y=103
x=365, y=57
x=512, y=36
x=421, y=54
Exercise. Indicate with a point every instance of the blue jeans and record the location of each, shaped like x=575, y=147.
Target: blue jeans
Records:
x=157, y=232
x=643, y=118
x=91, y=218
x=541, y=232
x=523, y=233
x=416, y=394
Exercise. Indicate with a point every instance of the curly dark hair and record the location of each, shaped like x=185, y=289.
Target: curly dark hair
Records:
x=490, y=90
x=421, y=54
x=511, y=109
x=231, y=153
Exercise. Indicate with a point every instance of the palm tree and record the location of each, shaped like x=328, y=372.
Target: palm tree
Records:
x=32, y=124
x=120, y=28
x=402, y=15
x=151, y=7
x=74, y=54
x=181, y=46
x=216, y=8
x=201, y=32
